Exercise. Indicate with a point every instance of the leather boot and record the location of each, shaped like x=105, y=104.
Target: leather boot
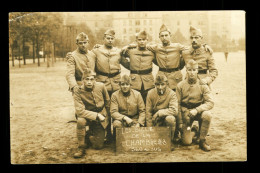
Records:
x=80, y=153
x=203, y=145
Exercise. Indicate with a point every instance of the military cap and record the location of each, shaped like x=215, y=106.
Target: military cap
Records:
x=164, y=28
x=195, y=32
x=141, y=34
x=82, y=37
x=110, y=32
x=125, y=79
x=87, y=73
x=192, y=64
x=160, y=78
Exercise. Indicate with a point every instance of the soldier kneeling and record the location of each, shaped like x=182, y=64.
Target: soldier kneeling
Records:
x=194, y=104
x=92, y=107
x=127, y=106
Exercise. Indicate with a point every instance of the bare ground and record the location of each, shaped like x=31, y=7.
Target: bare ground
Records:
x=41, y=105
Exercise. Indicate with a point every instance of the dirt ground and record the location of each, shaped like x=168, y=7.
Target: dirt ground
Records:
x=41, y=105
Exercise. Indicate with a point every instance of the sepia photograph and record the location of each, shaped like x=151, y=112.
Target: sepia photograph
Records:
x=127, y=87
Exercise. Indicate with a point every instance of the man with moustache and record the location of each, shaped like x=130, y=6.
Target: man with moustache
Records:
x=207, y=70
x=140, y=65
x=161, y=106
x=194, y=103
x=168, y=57
x=92, y=105
x=127, y=106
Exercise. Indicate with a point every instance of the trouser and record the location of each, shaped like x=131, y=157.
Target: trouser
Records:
x=169, y=121
x=96, y=132
x=121, y=124
x=204, y=120
x=144, y=93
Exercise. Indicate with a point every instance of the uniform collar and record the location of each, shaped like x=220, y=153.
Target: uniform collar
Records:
x=78, y=51
x=196, y=51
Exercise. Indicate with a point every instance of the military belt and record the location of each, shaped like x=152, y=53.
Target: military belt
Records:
x=98, y=109
x=169, y=70
x=147, y=71
x=190, y=105
x=110, y=75
x=203, y=71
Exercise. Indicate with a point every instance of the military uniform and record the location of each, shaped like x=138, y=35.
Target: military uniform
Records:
x=108, y=67
x=165, y=105
x=195, y=96
x=205, y=60
x=87, y=104
x=168, y=59
x=140, y=66
x=131, y=106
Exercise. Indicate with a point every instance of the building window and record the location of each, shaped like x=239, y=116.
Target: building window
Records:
x=130, y=22
x=144, y=22
x=137, y=30
x=137, y=22
x=145, y=14
x=124, y=31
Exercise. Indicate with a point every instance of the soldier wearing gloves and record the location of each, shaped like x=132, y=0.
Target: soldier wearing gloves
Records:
x=92, y=103
x=195, y=101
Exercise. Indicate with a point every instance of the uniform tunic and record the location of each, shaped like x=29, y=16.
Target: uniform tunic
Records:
x=89, y=103
x=76, y=64
x=169, y=57
x=166, y=104
x=108, y=61
x=131, y=106
x=193, y=94
x=205, y=61
x=140, y=60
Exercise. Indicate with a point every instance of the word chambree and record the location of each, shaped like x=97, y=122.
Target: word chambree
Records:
x=143, y=139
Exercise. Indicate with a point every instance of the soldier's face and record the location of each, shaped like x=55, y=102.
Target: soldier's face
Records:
x=83, y=45
x=89, y=82
x=165, y=37
x=109, y=40
x=161, y=87
x=125, y=87
x=192, y=72
x=196, y=41
x=141, y=41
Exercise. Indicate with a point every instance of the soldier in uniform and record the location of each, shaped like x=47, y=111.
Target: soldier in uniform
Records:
x=77, y=61
x=194, y=103
x=92, y=104
x=161, y=106
x=127, y=106
x=207, y=71
x=107, y=65
x=140, y=65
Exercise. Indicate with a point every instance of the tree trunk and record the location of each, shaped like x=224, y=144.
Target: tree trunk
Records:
x=12, y=56
x=37, y=50
x=24, y=58
x=33, y=51
x=19, y=57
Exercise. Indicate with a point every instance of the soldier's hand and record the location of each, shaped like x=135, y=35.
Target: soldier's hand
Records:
x=131, y=46
x=128, y=120
x=208, y=48
x=97, y=46
x=101, y=117
x=128, y=59
x=155, y=116
x=203, y=82
x=193, y=112
x=75, y=88
x=137, y=125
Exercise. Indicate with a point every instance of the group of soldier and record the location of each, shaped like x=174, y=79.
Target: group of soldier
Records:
x=104, y=100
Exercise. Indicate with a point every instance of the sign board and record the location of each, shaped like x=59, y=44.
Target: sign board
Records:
x=143, y=139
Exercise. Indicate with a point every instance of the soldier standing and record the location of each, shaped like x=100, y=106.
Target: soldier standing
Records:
x=92, y=103
x=207, y=71
x=194, y=101
x=140, y=65
x=161, y=106
x=107, y=65
x=127, y=106
x=77, y=61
